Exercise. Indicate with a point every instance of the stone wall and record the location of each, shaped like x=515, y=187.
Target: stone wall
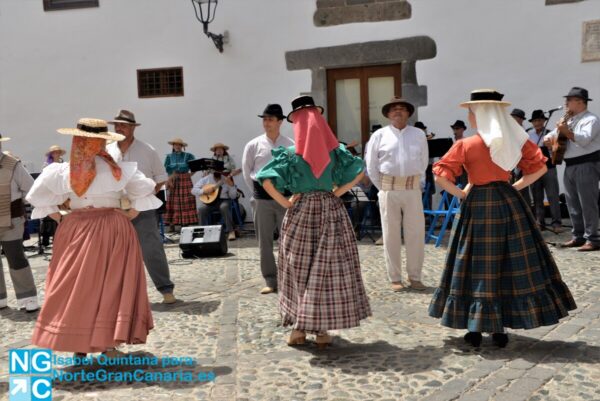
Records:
x=336, y=12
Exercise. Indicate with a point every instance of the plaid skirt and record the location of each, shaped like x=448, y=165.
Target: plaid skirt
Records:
x=181, y=205
x=499, y=271
x=319, y=279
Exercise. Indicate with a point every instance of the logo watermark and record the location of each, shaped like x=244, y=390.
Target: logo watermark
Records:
x=32, y=371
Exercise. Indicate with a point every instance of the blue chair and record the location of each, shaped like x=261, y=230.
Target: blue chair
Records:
x=448, y=207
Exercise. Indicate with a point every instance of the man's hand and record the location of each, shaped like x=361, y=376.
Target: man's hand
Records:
x=56, y=216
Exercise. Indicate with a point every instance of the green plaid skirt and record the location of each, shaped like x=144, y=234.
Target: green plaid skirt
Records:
x=499, y=271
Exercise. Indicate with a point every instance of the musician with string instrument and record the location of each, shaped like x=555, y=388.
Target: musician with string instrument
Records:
x=579, y=131
x=215, y=192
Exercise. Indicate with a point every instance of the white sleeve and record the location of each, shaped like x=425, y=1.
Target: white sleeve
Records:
x=248, y=164
x=372, y=160
x=140, y=191
x=158, y=169
x=47, y=193
x=424, y=155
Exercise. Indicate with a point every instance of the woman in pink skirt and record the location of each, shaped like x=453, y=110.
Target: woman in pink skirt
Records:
x=96, y=293
x=319, y=279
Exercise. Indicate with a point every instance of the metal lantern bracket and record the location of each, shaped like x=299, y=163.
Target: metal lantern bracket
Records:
x=206, y=18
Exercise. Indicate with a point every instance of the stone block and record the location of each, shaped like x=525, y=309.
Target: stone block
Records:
x=361, y=11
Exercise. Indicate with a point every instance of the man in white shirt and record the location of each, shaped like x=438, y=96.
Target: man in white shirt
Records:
x=215, y=182
x=396, y=159
x=582, y=168
x=267, y=214
x=146, y=224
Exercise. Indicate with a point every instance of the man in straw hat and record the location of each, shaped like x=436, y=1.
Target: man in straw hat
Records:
x=267, y=214
x=499, y=272
x=96, y=295
x=15, y=182
x=146, y=224
x=582, y=171
x=397, y=157
x=181, y=205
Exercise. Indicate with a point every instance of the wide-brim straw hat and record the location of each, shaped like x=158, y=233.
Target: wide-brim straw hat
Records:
x=219, y=145
x=91, y=128
x=483, y=96
x=178, y=141
x=4, y=138
x=55, y=148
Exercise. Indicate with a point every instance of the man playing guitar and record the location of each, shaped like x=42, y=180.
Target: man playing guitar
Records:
x=582, y=172
x=215, y=192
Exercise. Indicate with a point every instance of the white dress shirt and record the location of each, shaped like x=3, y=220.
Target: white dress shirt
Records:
x=146, y=157
x=400, y=153
x=53, y=188
x=227, y=191
x=257, y=154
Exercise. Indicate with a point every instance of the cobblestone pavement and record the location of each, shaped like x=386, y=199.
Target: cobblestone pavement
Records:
x=398, y=354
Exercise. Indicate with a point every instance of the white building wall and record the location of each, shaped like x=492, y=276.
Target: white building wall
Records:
x=58, y=66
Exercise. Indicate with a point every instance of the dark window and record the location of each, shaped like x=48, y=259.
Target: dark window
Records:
x=160, y=82
x=50, y=5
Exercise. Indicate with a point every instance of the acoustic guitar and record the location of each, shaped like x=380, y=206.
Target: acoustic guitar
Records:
x=559, y=146
x=208, y=198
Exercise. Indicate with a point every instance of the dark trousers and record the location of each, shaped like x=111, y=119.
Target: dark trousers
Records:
x=581, y=184
x=220, y=205
x=547, y=183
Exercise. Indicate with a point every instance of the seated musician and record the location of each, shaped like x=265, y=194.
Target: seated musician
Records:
x=215, y=192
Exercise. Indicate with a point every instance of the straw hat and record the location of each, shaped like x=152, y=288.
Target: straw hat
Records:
x=177, y=141
x=4, y=138
x=480, y=96
x=91, y=128
x=55, y=148
x=219, y=145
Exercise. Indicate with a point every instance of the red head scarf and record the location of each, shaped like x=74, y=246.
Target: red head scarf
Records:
x=83, y=163
x=314, y=139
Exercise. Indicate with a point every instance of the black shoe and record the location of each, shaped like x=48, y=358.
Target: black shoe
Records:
x=500, y=339
x=473, y=338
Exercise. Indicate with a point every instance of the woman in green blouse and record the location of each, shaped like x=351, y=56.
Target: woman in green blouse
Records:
x=319, y=276
x=181, y=205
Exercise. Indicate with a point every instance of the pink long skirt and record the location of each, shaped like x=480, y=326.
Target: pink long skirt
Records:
x=96, y=287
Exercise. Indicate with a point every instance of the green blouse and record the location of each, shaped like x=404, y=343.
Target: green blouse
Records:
x=289, y=172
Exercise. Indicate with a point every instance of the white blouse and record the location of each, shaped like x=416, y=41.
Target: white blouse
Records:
x=53, y=188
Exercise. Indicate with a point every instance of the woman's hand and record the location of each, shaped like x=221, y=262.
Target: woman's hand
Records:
x=294, y=198
x=130, y=214
x=56, y=216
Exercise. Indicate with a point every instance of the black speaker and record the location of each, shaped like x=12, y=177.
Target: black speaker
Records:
x=200, y=241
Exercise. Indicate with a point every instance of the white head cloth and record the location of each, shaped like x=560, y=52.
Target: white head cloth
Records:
x=500, y=132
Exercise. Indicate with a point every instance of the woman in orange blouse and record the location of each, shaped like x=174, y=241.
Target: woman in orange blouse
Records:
x=499, y=271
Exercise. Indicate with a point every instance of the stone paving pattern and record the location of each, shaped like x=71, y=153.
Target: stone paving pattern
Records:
x=398, y=354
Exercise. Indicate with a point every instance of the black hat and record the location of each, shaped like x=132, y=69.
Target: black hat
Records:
x=578, y=92
x=459, y=124
x=537, y=114
x=479, y=96
x=394, y=101
x=518, y=113
x=273, y=110
x=303, y=102
x=420, y=125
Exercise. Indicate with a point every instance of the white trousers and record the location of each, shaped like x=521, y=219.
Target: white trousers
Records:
x=403, y=211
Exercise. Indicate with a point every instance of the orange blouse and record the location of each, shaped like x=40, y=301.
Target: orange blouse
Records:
x=472, y=154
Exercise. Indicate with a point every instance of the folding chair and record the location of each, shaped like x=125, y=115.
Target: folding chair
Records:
x=447, y=209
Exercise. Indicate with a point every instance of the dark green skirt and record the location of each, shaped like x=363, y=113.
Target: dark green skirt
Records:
x=499, y=271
